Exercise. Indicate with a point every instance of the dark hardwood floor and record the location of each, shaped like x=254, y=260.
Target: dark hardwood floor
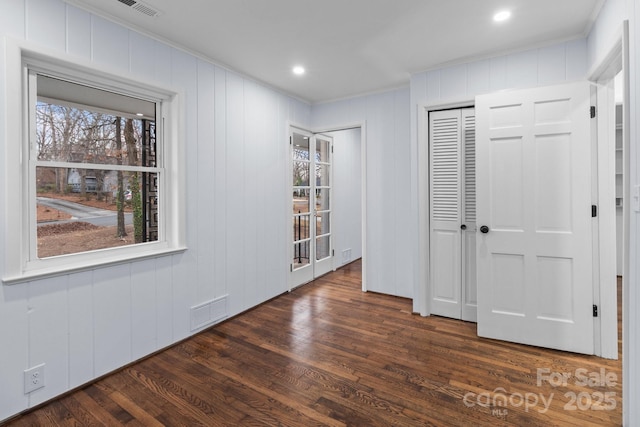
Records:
x=328, y=354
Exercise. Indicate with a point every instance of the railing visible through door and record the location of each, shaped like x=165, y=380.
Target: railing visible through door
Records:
x=301, y=232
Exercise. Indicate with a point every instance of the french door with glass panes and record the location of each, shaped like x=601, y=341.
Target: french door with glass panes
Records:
x=312, y=240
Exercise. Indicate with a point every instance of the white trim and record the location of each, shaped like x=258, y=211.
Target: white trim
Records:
x=20, y=266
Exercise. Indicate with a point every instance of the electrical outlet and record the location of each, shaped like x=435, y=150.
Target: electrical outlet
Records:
x=33, y=378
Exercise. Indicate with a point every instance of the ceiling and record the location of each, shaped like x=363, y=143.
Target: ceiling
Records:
x=349, y=47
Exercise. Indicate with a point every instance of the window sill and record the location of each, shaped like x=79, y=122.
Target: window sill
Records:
x=64, y=269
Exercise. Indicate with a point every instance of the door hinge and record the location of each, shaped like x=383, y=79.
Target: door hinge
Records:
x=594, y=211
x=592, y=111
x=595, y=310
x=291, y=267
x=290, y=140
x=333, y=252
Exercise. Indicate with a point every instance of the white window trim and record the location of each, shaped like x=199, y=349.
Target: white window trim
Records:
x=19, y=267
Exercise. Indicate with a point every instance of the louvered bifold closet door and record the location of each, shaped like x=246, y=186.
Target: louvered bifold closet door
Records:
x=452, y=138
x=469, y=293
x=445, y=168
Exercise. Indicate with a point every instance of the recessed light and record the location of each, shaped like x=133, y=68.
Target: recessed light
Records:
x=298, y=70
x=139, y=114
x=502, y=16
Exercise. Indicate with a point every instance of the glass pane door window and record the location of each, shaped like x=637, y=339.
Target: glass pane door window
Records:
x=311, y=202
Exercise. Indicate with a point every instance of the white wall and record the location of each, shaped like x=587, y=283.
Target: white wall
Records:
x=86, y=324
x=347, y=200
x=388, y=202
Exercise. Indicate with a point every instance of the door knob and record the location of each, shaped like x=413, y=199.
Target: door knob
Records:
x=463, y=227
x=484, y=229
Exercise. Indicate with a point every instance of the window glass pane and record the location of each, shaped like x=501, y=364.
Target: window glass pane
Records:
x=79, y=135
x=322, y=247
x=301, y=200
x=300, y=227
x=300, y=173
x=322, y=199
x=80, y=209
x=323, y=225
x=300, y=147
x=322, y=175
x=322, y=151
x=301, y=253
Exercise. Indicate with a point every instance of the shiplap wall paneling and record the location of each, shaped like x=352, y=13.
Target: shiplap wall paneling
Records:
x=544, y=66
x=271, y=156
x=81, y=331
x=453, y=82
x=78, y=37
x=110, y=44
x=164, y=302
x=219, y=184
x=12, y=18
x=522, y=69
x=383, y=195
x=254, y=205
x=185, y=265
x=49, y=335
x=551, y=64
x=163, y=63
x=14, y=333
x=144, y=306
x=43, y=18
x=205, y=157
x=235, y=193
x=404, y=233
x=479, y=77
x=111, y=318
x=379, y=189
x=142, y=56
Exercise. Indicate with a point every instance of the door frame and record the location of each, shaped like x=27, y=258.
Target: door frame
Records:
x=603, y=73
x=362, y=125
x=422, y=288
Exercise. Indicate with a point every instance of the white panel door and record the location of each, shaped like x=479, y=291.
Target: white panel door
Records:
x=534, y=249
x=452, y=201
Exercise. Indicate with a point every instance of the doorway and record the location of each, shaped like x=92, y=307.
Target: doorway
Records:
x=339, y=191
x=311, y=164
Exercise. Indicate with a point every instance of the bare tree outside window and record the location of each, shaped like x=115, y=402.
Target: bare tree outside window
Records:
x=74, y=148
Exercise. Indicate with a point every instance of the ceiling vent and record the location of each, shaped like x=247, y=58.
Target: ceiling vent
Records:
x=141, y=7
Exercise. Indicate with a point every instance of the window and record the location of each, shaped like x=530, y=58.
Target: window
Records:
x=95, y=161
x=102, y=176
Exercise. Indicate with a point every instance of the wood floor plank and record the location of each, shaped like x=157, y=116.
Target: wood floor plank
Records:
x=327, y=354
